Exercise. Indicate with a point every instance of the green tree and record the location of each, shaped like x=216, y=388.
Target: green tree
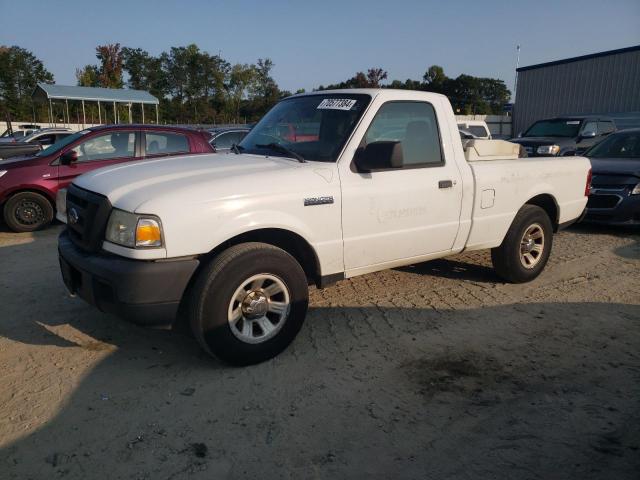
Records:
x=371, y=79
x=264, y=85
x=495, y=93
x=435, y=79
x=145, y=72
x=241, y=79
x=195, y=81
x=135, y=62
x=88, y=76
x=264, y=91
x=20, y=72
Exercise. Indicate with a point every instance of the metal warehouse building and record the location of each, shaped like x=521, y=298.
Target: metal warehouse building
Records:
x=601, y=83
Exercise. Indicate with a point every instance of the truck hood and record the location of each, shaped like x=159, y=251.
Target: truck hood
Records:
x=144, y=186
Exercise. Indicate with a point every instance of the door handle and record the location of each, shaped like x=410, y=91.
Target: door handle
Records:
x=445, y=184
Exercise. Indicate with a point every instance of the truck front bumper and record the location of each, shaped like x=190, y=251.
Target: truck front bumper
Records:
x=145, y=292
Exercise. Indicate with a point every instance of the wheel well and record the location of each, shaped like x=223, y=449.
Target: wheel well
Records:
x=290, y=242
x=31, y=190
x=549, y=205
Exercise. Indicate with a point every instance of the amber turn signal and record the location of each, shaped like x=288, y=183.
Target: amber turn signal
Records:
x=148, y=233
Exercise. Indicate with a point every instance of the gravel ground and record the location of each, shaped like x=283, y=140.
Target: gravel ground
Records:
x=434, y=371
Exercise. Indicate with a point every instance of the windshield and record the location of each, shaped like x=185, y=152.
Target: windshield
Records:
x=311, y=127
x=554, y=128
x=60, y=144
x=618, y=145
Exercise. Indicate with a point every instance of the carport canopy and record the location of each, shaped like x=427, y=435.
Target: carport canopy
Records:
x=47, y=92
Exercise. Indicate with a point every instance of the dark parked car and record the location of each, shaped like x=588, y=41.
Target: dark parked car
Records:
x=564, y=135
x=29, y=185
x=615, y=185
x=223, y=139
x=34, y=142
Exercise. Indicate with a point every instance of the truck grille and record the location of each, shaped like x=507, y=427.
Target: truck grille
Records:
x=87, y=216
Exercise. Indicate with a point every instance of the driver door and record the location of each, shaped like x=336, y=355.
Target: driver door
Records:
x=395, y=214
x=99, y=151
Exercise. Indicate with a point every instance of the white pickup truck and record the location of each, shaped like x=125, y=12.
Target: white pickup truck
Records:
x=327, y=186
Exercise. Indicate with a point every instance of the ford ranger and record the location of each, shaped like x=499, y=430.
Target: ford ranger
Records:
x=327, y=186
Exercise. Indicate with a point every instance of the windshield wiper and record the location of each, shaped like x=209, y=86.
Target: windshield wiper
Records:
x=282, y=149
x=236, y=149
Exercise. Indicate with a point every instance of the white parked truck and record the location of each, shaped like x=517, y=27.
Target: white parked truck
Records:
x=327, y=186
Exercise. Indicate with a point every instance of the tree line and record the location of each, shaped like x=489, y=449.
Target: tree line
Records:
x=469, y=95
x=194, y=86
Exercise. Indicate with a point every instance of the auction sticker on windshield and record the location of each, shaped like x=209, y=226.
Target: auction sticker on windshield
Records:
x=337, y=104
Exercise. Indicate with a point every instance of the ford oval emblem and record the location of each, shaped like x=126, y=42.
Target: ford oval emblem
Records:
x=73, y=216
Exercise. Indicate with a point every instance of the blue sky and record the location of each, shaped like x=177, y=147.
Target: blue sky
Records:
x=313, y=43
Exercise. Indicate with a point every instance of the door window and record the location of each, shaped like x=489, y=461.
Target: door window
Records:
x=590, y=127
x=166, y=143
x=107, y=146
x=414, y=125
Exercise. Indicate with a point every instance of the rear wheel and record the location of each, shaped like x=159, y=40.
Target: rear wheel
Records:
x=27, y=211
x=248, y=304
x=525, y=249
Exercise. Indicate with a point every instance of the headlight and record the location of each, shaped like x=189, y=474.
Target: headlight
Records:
x=2, y=172
x=61, y=201
x=548, y=149
x=636, y=190
x=134, y=231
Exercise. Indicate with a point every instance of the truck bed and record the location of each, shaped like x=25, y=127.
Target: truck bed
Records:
x=503, y=183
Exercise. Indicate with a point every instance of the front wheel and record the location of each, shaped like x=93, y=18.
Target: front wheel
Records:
x=525, y=249
x=249, y=303
x=27, y=212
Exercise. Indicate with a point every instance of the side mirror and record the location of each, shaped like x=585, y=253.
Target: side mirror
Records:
x=69, y=157
x=588, y=134
x=379, y=156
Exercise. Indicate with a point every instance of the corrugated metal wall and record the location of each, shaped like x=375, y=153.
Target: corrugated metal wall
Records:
x=607, y=84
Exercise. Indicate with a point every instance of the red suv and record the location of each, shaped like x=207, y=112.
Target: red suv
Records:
x=28, y=185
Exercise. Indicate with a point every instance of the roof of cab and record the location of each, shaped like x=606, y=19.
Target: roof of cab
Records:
x=391, y=92
x=143, y=126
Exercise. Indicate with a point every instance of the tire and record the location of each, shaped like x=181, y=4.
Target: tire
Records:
x=525, y=249
x=27, y=212
x=229, y=305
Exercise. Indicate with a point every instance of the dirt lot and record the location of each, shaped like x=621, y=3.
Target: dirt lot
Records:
x=433, y=371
